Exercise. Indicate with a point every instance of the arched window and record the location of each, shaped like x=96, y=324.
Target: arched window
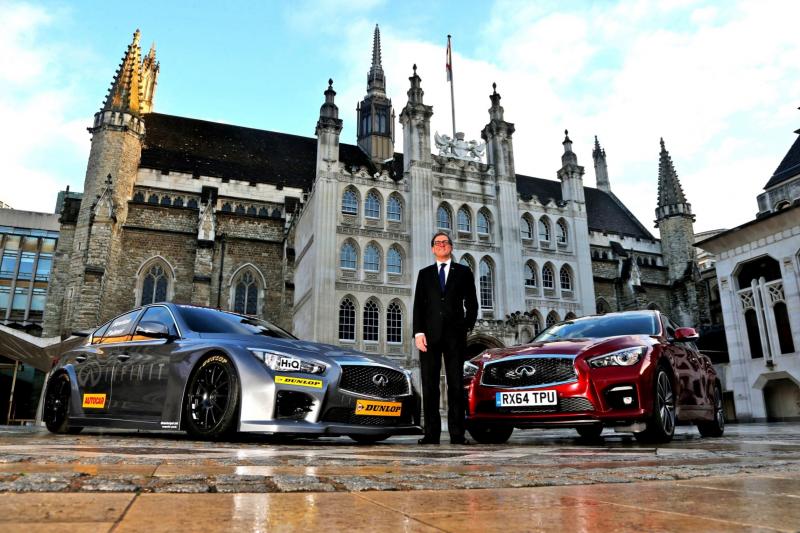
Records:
x=548, y=277
x=394, y=209
x=783, y=204
x=484, y=225
x=178, y=202
x=251, y=210
x=443, y=218
x=562, y=233
x=486, y=285
x=166, y=200
x=347, y=256
x=347, y=320
x=552, y=318
x=245, y=293
x=466, y=260
x=525, y=229
x=192, y=203
x=138, y=197
x=240, y=209
x=544, y=230
x=753, y=335
x=155, y=284
x=349, y=202
x=530, y=274
x=263, y=212
x=372, y=205
x=372, y=259
x=570, y=316
x=371, y=321
x=464, y=220
x=566, y=278
x=785, y=341
x=537, y=324
x=227, y=207
x=153, y=199
x=394, y=261
x=394, y=323
x=602, y=306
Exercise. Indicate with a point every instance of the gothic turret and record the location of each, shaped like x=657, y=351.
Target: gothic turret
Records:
x=600, y=167
x=416, y=121
x=571, y=174
x=497, y=134
x=329, y=126
x=375, y=116
x=674, y=219
x=114, y=156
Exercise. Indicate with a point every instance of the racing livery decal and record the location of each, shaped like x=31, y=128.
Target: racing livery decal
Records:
x=300, y=382
x=368, y=407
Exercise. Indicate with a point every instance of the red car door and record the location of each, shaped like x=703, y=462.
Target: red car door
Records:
x=689, y=370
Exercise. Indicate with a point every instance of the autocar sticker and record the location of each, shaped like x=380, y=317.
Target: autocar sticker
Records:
x=300, y=382
x=94, y=401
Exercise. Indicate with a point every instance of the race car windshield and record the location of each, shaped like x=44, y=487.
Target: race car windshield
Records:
x=204, y=320
x=601, y=326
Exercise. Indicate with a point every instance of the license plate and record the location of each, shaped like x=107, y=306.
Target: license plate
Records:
x=372, y=408
x=526, y=399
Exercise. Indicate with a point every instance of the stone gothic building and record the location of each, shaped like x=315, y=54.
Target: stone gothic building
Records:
x=325, y=238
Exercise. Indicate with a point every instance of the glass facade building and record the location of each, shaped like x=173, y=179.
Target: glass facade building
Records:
x=26, y=258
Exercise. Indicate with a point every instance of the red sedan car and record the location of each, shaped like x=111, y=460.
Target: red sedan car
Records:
x=634, y=371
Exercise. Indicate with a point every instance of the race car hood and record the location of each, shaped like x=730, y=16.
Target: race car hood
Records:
x=326, y=353
x=575, y=347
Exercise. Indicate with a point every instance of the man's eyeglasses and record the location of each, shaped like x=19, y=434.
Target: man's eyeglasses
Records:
x=441, y=243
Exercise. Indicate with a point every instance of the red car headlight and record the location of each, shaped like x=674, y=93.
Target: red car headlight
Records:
x=626, y=357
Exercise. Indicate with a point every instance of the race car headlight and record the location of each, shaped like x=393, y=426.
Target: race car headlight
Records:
x=626, y=357
x=282, y=362
x=470, y=369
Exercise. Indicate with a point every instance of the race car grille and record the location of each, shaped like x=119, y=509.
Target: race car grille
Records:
x=379, y=382
x=346, y=415
x=565, y=405
x=529, y=372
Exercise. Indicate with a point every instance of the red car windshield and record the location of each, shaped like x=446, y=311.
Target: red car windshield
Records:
x=601, y=326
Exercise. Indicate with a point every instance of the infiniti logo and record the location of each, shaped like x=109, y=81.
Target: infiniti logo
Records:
x=521, y=371
x=381, y=380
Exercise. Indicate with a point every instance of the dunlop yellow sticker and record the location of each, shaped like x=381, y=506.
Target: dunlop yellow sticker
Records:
x=371, y=408
x=94, y=401
x=300, y=382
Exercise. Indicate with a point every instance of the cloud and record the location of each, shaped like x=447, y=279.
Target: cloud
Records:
x=41, y=135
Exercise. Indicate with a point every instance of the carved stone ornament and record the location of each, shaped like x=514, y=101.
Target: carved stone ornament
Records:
x=206, y=224
x=458, y=147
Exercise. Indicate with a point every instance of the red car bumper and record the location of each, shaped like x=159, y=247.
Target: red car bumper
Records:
x=610, y=395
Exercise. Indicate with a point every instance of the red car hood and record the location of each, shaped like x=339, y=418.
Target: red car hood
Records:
x=576, y=347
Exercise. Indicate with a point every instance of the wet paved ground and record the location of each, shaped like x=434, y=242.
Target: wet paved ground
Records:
x=538, y=481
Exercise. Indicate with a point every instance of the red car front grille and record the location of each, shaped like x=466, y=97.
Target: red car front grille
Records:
x=529, y=372
x=565, y=405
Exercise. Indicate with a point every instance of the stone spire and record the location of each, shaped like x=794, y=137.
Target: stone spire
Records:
x=568, y=157
x=374, y=114
x=329, y=126
x=416, y=120
x=600, y=167
x=125, y=94
x=376, y=82
x=150, y=70
x=671, y=200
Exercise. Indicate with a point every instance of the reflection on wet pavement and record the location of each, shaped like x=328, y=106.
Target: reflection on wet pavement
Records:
x=538, y=481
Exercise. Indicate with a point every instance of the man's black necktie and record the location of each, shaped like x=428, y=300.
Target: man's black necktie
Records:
x=441, y=276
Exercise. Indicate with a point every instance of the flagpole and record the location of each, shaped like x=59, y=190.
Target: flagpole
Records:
x=452, y=97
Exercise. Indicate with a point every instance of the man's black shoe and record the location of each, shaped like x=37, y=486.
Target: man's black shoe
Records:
x=462, y=441
x=427, y=440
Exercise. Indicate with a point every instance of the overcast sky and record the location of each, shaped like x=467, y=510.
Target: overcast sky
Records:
x=720, y=81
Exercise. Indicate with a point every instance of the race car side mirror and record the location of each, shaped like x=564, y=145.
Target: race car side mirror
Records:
x=686, y=335
x=156, y=330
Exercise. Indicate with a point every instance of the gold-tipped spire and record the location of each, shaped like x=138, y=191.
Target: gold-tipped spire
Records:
x=126, y=90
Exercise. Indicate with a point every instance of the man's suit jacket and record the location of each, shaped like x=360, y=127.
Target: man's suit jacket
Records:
x=449, y=315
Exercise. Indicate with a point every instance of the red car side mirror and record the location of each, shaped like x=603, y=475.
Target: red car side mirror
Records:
x=686, y=335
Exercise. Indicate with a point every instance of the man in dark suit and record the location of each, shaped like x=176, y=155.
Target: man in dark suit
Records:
x=445, y=309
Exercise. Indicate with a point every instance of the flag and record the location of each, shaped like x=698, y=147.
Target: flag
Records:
x=449, y=64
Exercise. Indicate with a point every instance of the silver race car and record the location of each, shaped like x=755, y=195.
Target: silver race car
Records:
x=212, y=373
